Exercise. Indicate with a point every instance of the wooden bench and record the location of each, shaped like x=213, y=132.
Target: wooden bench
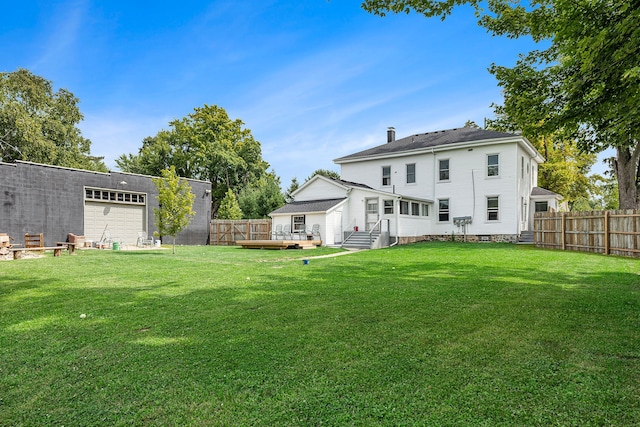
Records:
x=70, y=246
x=57, y=250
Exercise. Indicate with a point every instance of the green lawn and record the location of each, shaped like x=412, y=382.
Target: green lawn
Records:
x=428, y=334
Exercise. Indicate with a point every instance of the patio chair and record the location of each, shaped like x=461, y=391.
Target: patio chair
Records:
x=286, y=232
x=314, y=233
x=143, y=240
x=277, y=233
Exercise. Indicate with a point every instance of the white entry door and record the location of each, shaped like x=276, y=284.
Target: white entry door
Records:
x=372, y=214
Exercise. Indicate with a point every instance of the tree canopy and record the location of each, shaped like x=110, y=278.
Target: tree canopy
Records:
x=585, y=84
x=205, y=145
x=262, y=197
x=40, y=125
x=175, y=201
x=566, y=168
x=324, y=172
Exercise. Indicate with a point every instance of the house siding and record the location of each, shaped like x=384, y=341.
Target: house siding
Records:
x=467, y=188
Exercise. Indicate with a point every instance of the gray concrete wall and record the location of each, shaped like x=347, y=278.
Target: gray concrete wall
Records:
x=48, y=199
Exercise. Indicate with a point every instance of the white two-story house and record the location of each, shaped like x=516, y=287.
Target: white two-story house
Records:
x=469, y=182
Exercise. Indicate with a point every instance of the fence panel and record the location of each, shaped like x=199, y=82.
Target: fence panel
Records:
x=606, y=232
x=226, y=232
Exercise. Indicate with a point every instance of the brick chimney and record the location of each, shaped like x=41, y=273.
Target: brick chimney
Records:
x=391, y=134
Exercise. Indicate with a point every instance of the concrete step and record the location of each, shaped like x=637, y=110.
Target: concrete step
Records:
x=526, y=237
x=360, y=240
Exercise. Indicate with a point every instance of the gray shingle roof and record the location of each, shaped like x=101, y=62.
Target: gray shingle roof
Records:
x=430, y=139
x=351, y=184
x=539, y=191
x=308, y=206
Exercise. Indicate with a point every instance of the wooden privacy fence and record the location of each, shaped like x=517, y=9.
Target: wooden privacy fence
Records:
x=605, y=232
x=226, y=232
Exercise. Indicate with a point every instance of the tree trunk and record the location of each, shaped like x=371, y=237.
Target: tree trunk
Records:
x=174, y=245
x=626, y=169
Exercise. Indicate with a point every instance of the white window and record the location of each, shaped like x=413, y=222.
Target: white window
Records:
x=492, y=208
x=415, y=209
x=443, y=210
x=425, y=209
x=98, y=195
x=404, y=207
x=386, y=175
x=411, y=173
x=298, y=223
x=522, y=167
x=388, y=207
x=443, y=167
x=493, y=166
x=542, y=206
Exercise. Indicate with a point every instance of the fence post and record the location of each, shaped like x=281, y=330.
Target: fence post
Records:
x=563, y=230
x=606, y=232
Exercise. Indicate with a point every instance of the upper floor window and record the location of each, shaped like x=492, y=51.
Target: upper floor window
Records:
x=386, y=175
x=443, y=167
x=492, y=208
x=493, y=166
x=443, y=210
x=411, y=173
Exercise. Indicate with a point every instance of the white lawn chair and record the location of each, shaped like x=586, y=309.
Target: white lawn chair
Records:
x=143, y=240
x=314, y=233
x=277, y=233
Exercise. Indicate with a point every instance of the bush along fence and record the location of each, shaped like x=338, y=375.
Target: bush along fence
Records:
x=605, y=232
x=225, y=232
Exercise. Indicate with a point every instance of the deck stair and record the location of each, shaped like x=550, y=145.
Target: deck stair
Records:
x=361, y=240
x=526, y=238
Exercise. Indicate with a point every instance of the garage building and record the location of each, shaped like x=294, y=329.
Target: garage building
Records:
x=56, y=201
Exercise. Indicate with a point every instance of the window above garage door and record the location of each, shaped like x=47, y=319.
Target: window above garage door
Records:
x=111, y=196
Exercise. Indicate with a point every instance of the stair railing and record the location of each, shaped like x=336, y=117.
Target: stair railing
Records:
x=351, y=227
x=377, y=226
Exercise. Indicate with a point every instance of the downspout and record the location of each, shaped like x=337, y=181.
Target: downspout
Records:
x=397, y=211
x=433, y=155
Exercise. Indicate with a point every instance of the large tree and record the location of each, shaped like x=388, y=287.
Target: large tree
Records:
x=204, y=145
x=40, y=125
x=566, y=167
x=584, y=84
x=262, y=197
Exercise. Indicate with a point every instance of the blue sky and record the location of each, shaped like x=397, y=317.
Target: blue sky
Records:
x=313, y=80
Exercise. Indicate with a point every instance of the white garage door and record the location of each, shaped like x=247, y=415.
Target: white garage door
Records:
x=123, y=221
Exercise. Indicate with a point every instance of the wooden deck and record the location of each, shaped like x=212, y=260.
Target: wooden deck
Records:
x=279, y=244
